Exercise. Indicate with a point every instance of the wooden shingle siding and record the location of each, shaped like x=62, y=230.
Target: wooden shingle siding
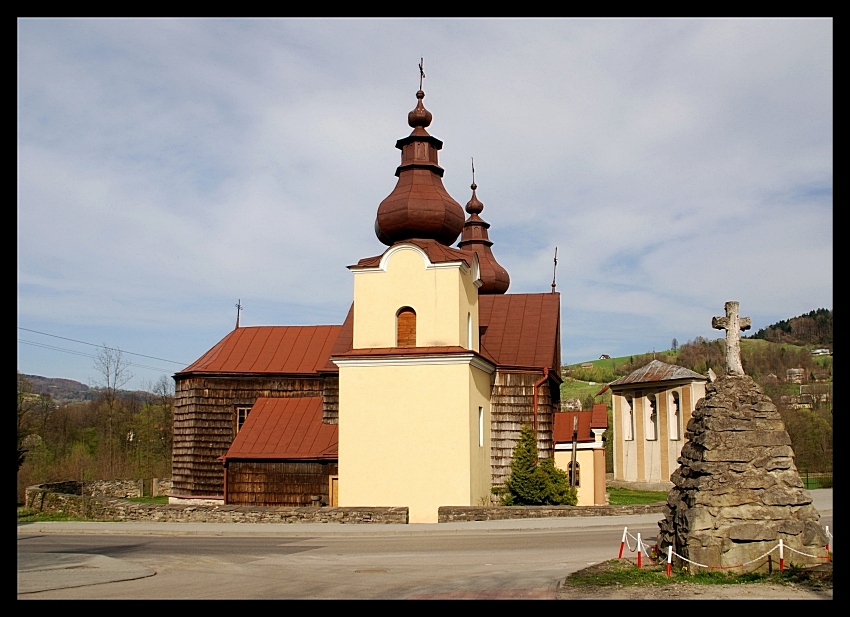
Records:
x=278, y=483
x=512, y=407
x=205, y=423
x=330, y=400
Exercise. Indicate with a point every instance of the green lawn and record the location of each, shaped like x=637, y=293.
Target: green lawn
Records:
x=25, y=515
x=629, y=497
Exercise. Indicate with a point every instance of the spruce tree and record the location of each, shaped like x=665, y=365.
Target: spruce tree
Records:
x=532, y=483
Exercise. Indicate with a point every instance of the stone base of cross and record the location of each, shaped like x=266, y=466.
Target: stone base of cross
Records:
x=733, y=325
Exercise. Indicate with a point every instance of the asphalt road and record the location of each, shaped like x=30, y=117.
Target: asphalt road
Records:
x=498, y=559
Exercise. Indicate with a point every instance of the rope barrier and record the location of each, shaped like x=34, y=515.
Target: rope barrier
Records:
x=639, y=546
x=625, y=542
x=701, y=565
x=639, y=552
x=806, y=554
x=828, y=535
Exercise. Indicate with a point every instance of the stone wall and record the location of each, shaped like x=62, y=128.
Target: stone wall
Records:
x=43, y=498
x=457, y=514
x=113, y=488
x=66, y=498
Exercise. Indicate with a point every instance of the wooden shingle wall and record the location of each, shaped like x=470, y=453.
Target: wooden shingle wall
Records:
x=512, y=406
x=330, y=399
x=278, y=483
x=205, y=424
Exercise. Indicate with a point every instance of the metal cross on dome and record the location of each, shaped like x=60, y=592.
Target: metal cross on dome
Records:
x=733, y=325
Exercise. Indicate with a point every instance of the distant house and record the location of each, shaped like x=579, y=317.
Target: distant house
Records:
x=820, y=352
x=605, y=356
x=651, y=408
x=570, y=404
x=795, y=375
x=590, y=451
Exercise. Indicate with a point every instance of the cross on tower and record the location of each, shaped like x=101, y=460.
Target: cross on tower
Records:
x=238, y=310
x=732, y=324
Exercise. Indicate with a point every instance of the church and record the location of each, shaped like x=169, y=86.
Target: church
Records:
x=416, y=399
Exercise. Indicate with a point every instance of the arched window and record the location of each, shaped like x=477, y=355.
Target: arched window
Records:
x=577, y=480
x=675, y=418
x=652, y=418
x=628, y=419
x=405, y=327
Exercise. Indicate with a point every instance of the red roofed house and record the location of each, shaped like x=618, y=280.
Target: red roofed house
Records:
x=416, y=400
x=578, y=437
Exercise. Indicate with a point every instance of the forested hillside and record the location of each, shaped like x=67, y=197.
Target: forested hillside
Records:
x=806, y=407
x=813, y=328
x=106, y=433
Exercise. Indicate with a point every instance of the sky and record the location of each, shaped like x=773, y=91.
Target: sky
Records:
x=168, y=168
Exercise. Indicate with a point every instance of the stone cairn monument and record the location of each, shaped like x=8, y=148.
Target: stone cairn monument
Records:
x=737, y=492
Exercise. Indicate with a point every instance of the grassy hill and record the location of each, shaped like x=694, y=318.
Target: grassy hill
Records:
x=761, y=357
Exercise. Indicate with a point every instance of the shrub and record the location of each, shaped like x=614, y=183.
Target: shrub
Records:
x=533, y=482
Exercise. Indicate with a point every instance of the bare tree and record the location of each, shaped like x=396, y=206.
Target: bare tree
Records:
x=113, y=374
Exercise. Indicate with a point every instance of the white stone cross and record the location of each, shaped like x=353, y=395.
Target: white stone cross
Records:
x=732, y=324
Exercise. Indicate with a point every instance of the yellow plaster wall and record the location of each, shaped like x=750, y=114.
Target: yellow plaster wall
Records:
x=408, y=436
x=442, y=297
x=587, y=473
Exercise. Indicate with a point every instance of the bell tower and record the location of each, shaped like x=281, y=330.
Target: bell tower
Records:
x=414, y=390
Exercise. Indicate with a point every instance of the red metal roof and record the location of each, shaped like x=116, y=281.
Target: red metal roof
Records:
x=522, y=330
x=343, y=342
x=563, y=430
x=436, y=252
x=285, y=428
x=600, y=416
x=297, y=350
x=519, y=331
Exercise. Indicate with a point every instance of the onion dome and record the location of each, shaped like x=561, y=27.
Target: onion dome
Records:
x=419, y=206
x=475, y=238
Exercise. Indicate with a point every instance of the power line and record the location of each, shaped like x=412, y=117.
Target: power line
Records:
x=103, y=347
x=86, y=355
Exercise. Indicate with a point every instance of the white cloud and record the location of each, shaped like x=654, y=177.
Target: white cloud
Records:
x=167, y=167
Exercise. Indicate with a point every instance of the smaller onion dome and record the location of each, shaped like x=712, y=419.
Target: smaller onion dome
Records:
x=475, y=238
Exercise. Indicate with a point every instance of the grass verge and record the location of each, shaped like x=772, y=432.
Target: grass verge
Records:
x=624, y=573
x=25, y=515
x=162, y=499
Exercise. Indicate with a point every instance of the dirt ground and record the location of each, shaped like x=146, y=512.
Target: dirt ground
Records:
x=813, y=590
x=687, y=591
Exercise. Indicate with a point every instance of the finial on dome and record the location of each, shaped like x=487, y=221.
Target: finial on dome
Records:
x=419, y=116
x=473, y=206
